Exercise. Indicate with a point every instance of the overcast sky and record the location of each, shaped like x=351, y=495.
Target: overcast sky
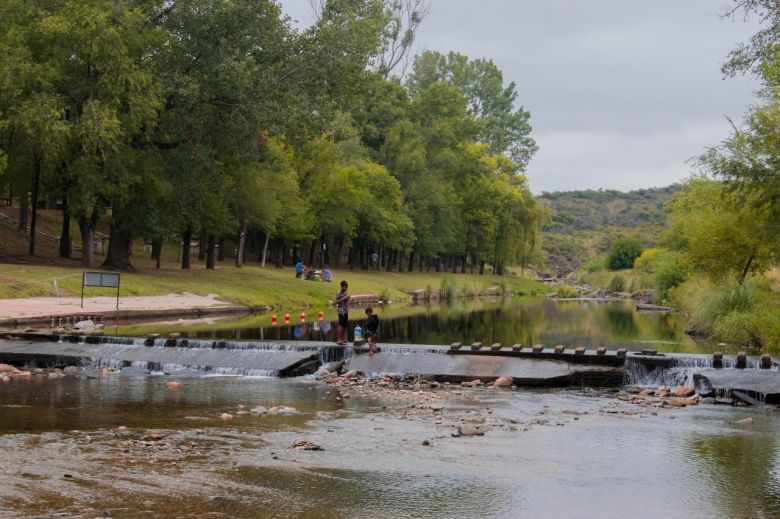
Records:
x=621, y=92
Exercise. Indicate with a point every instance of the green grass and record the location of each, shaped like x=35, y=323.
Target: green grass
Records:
x=250, y=285
x=606, y=279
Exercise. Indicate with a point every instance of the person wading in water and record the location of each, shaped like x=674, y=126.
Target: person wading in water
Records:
x=342, y=308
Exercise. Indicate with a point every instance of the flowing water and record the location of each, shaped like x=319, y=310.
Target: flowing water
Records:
x=545, y=454
x=509, y=320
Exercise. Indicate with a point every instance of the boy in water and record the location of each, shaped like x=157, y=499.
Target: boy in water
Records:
x=372, y=329
x=342, y=308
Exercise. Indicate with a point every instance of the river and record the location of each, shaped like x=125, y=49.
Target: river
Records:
x=568, y=453
x=511, y=320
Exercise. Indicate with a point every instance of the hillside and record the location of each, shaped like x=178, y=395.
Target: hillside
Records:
x=583, y=223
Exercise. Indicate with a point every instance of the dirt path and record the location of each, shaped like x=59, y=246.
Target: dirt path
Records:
x=44, y=307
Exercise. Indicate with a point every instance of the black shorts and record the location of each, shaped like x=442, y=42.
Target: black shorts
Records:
x=374, y=336
x=344, y=319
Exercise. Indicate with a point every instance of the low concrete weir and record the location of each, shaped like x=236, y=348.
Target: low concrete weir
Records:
x=537, y=366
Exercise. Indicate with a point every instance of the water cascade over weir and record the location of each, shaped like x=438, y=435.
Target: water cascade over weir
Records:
x=528, y=367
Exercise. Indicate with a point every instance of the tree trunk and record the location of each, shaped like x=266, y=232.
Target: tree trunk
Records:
x=411, y=261
x=747, y=267
x=279, y=253
x=420, y=262
x=265, y=249
x=284, y=253
x=157, y=251
x=65, y=248
x=481, y=267
x=221, y=249
x=312, y=249
x=202, y=244
x=36, y=180
x=211, y=255
x=241, y=243
x=339, y=252
x=24, y=203
x=186, y=239
x=87, y=229
x=119, y=246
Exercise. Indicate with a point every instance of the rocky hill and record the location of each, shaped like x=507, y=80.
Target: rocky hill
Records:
x=583, y=223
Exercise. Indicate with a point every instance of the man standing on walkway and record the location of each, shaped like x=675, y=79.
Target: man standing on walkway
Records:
x=342, y=308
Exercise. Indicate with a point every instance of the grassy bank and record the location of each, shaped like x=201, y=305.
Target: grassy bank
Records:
x=252, y=285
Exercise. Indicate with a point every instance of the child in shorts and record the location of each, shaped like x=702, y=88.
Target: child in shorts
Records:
x=372, y=329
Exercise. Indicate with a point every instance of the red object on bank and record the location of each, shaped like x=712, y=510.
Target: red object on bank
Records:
x=273, y=319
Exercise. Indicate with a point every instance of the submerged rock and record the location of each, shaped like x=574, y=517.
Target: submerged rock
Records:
x=745, y=422
x=70, y=371
x=226, y=416
x=173, y=384
x=283, y=411
x=259, y=410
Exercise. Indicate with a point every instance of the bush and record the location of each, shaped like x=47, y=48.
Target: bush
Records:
x=671, y=269
x=565, y=291
x=617, y=283
x=595, y=265
x=623, y=252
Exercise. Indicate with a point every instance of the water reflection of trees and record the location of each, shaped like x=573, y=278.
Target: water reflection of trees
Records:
x=744, y=470
x=509, y=321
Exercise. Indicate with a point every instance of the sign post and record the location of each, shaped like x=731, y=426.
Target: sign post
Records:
x=100, y=279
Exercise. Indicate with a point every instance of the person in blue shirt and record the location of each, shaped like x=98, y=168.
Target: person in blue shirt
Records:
x=299, y=269
x=327, y=275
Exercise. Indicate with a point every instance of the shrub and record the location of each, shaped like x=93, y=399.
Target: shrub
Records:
x=566, y=291
x=448, y=289
x=616, y=284
x=623, y=252
x=596, y=265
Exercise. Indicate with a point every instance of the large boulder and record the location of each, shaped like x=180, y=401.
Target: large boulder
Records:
x=684, y=391
x=503, y=382
x=70, y=371
x=6, y=368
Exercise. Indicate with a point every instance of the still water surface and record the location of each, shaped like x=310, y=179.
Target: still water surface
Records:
x=523, y=320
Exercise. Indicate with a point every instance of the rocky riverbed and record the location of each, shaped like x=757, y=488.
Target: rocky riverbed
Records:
x=104, y=444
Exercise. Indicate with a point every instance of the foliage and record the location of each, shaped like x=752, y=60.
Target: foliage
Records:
x=623, y=252
x=223, y=119
x=617, y=284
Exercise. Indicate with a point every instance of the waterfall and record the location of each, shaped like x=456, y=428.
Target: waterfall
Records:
x=681, y=369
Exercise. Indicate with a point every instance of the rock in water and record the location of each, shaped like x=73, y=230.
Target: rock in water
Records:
x=503, y=382
x=282, y=410
x=6, y=378
x=226, y=416
x=306, y=446
x=647, y=392
x=173, y=384
x=6, y=368
x=70, y=371
x=744, y=422
x=258, y=410
x=684, y=391
x=468, y=430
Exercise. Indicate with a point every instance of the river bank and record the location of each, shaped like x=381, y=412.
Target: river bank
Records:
x=250, y=287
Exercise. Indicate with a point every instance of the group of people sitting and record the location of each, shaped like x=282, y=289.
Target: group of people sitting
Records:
x=304, y=272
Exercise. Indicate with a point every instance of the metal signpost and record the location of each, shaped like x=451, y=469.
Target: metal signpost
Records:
x=100, y=279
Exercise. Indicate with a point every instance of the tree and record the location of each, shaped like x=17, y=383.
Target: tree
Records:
x=719, y=231
x=503, y=127
x=623, y=252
